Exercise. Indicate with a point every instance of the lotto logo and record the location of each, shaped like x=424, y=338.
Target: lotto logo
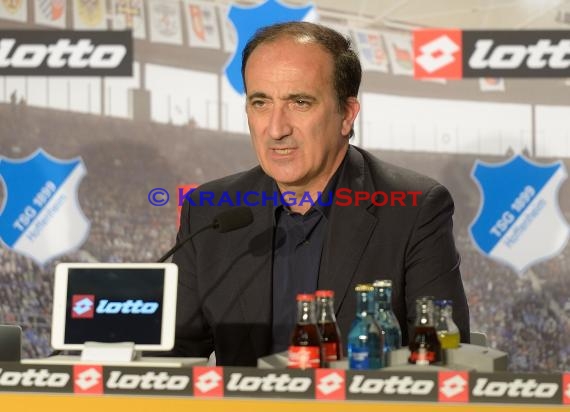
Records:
x=33, y=378
x=88, y=379
x=438, y=54
x=330, y=384
x=65, y=52
x=537, y=388
x=208, y=382
x=149, y=381
x=453, y=387
x=456, y=54
x=82, y=306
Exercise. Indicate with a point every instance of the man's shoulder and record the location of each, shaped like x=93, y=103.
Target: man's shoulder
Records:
x=386, y=175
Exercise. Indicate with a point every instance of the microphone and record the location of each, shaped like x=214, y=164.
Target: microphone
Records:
x=232, y=219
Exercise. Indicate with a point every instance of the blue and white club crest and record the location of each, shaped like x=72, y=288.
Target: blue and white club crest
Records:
x=41, y=217
x=247, y=20
x=519, y=220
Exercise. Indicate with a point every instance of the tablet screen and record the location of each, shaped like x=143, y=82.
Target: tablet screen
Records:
x=114, y=303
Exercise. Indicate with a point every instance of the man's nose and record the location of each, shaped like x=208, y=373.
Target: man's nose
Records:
x=279, y=123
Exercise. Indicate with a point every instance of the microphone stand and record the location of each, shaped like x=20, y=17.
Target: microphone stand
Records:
x=182, y=242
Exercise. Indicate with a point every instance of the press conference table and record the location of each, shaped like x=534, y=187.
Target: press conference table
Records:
x=45, y=387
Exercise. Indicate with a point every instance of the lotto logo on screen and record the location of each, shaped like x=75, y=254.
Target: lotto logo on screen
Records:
x=82, y=306
x=438, y=54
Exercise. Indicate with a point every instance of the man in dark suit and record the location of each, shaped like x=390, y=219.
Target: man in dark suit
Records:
x=237, y=290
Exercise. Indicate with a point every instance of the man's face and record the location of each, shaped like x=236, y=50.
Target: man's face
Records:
x=299, y=134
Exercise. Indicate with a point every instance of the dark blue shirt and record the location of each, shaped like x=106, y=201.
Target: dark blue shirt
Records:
x=297, y=248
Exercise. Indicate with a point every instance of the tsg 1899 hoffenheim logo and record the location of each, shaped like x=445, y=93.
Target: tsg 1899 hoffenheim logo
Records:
x=41, y=217
x=247, y=20
x=519, y=220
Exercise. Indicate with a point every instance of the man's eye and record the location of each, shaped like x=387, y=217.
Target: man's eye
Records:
x=302, y=103
x=257, y=103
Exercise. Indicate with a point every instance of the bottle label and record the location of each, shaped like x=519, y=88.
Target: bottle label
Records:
x=359, y=358
x=422, y=357
x=330, y=351
x=304, y=357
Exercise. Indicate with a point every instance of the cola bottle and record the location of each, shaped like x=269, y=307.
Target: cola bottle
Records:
x=366, y=338
x=305, y=350
x=326, y=321
x=425, y=348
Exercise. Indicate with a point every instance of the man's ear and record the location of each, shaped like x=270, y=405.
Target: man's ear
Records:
x=351, y=108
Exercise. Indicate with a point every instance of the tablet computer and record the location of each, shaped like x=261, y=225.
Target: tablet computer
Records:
x=114, y=302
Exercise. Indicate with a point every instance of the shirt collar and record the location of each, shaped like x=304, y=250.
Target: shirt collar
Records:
x=327, y=195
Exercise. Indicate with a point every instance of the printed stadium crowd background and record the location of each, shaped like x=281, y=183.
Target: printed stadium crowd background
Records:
x=528, y=317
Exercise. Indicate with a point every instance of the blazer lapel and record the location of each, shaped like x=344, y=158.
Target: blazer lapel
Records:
x=348, y=232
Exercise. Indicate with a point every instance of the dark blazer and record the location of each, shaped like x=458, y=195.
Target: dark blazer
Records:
x=224, y=296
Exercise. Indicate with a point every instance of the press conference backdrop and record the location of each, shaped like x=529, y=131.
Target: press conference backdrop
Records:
x=80, y=154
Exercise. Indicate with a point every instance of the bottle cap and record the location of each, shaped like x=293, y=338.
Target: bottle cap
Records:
x=324, y=294
x=441, y=303
x=305, y=297
x=383, y=283
x=364, y=287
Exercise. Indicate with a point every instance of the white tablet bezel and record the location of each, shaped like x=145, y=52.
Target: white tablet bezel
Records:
x=168, y=300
